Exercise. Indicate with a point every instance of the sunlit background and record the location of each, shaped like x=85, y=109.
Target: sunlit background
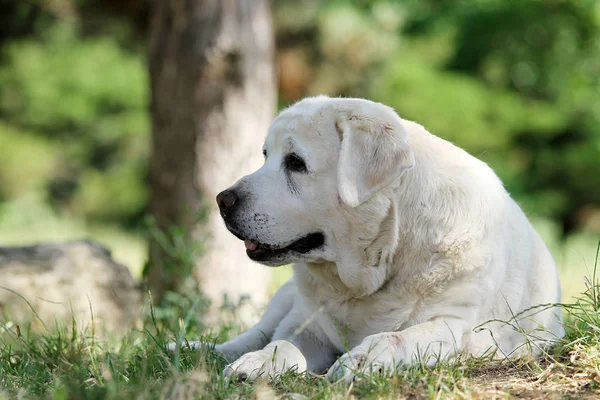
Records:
x=514, y=82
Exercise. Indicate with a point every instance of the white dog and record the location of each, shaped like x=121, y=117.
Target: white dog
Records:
x=402, y=244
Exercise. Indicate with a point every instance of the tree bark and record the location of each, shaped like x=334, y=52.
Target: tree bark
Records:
x=213, y=98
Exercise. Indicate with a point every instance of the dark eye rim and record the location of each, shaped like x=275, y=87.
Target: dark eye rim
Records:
x=264, y=151
x=293, y=162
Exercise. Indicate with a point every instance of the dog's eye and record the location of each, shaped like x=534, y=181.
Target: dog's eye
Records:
x=265, y=152
x=293, y=162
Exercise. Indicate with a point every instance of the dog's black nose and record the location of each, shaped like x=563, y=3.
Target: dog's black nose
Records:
x=226, y=200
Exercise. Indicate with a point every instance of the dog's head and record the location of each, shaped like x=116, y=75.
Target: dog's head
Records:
x=329, y=163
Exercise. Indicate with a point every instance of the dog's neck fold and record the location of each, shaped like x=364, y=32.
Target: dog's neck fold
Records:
x=365, y=263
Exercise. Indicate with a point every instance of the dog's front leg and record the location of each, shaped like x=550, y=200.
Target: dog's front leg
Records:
x=425, y=343
x=260, y=334
x=298, y=345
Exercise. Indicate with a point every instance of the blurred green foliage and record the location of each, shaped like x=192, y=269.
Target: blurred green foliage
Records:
x=74, y=124
x=514, y=82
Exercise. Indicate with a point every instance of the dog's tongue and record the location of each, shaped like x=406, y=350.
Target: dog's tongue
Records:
x=250, y=245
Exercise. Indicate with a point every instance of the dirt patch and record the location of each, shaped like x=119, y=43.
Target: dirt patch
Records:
x=501, y=380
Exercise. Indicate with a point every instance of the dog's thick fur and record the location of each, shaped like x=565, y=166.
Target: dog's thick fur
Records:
x=422, y=245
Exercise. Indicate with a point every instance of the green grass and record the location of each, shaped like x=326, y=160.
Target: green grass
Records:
x=71, y=363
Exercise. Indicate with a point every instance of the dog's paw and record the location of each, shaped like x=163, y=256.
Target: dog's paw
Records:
x=251, y=366
x=270, y=362
x=376, y=355
x=354, y=365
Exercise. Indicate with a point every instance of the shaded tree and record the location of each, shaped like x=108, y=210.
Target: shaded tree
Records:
x=213, y=97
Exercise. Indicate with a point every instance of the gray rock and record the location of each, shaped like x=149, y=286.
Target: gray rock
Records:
x=62, y=281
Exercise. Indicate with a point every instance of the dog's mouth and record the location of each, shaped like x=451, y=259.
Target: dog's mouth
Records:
x=264, y=252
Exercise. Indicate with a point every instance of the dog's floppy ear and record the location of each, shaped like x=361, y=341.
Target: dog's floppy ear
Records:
x=374, y=153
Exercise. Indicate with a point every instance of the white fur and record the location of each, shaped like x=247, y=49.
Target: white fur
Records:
x=422, y=245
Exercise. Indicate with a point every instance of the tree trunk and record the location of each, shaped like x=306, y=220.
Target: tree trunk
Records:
x=213, y=98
